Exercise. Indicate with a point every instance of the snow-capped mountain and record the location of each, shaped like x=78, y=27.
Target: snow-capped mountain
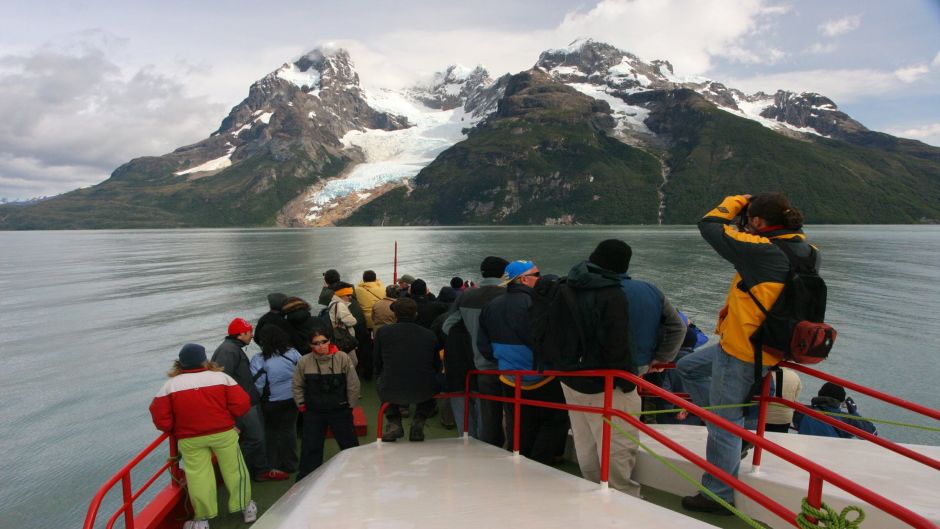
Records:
x=310, y=145
x=613, y=75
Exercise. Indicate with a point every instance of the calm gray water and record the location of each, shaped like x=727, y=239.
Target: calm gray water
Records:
x=90, y=321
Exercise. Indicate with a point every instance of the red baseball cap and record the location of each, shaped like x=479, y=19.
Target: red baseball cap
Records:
x=239, y=326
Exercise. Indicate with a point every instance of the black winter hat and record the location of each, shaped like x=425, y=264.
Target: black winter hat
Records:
x=192, y=355
x=419, y=288
x=493, y=266
x=833, y=391
x=613, y=255
x=276, y=300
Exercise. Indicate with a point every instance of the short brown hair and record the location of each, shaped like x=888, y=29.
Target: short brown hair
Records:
x=405, y=309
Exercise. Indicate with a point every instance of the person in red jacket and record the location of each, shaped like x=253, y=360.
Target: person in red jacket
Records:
x=198, y=406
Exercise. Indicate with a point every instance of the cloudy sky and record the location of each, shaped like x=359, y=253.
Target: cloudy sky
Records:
x=85, y=86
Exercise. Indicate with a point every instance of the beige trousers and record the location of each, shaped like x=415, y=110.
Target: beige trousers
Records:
x=589, y=437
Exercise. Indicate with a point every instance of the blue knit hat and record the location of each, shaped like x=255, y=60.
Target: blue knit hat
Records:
x=517, y=268
x=192, y=356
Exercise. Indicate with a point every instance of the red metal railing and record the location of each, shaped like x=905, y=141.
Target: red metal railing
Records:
x=124, y=477
x=765, y=399
x=818, y=474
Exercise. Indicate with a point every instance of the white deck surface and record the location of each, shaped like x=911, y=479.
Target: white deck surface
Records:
x=455, y=484
x=895, y=477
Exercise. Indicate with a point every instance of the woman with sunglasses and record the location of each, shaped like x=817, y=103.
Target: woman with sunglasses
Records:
x=326, y=389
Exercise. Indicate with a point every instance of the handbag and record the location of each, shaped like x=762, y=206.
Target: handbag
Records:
x=342, y=338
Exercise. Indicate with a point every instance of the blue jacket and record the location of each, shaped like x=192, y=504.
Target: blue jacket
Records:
x=278, y=373
x=809, y=426
x=656, y=327
x=505, y=333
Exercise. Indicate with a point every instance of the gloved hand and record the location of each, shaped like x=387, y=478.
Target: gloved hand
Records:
x=302, y=408
x=850, y=405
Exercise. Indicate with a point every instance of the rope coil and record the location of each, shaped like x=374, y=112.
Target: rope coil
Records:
x=827, y=518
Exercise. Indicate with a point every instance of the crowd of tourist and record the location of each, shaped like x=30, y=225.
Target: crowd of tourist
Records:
x=416, y=344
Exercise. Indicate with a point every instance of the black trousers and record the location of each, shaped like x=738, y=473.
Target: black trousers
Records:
x=315, y=423
x=280, y=434
x=364, y=354
x=782, y=428
x=491, y=412
x=542, y=431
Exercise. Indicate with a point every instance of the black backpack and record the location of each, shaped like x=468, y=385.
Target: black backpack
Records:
x=793, y=327
x=558, y=335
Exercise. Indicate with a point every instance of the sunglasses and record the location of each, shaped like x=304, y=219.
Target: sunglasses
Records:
x=320, y=342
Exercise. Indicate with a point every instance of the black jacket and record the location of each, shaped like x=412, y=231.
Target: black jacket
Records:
x=407, y=363
x=428, y=311
x=276, y=319
x=230, y=355
x=589, y=327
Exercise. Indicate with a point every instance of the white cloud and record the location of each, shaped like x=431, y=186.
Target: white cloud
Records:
x=822, y=48
x=929, y=133
x=841, y=26
x=842, y=86
x=71, y=116
x=911, y=74
x=936, y=60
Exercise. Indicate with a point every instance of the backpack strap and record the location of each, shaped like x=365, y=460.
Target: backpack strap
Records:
x=258, y=375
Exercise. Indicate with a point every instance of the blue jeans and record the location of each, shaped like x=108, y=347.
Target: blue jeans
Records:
x=695, y=370
x=456, y=404
x=728, y=382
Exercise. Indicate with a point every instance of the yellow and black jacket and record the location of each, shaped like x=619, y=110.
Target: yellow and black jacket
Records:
x=760, y=265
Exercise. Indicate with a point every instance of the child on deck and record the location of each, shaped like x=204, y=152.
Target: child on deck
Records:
x=198, y=406
x=326, y=389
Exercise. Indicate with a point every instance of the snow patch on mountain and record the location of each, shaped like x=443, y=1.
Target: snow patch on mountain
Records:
x=393, y=156
x=752, y=108
x=629, y=118
x=293, y=74
x=212, y=165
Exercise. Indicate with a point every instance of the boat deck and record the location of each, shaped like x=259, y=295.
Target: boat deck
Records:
x=895, y=477
x=454, y=483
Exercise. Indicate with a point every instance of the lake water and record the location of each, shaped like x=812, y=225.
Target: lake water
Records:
x=90, y=321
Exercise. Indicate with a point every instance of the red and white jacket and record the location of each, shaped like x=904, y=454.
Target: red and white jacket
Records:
x=198, y=402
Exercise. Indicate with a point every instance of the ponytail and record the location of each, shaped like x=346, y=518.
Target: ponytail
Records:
x=775, y=208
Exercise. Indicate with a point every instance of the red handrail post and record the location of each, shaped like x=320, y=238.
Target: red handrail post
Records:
x=128, y=500
x=379, y=422
x=761, y=420
x=814, y=493
x=395, y=265
x=516, y=415
x=605, y=447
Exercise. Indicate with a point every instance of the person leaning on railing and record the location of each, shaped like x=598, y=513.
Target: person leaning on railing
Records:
x=198, y=406
x=723, y=374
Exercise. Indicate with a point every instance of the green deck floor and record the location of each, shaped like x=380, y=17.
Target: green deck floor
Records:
x=265, y=494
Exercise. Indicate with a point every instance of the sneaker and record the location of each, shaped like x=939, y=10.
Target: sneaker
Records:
x=745, y=448
x=251, y=512
x=196, y=524
x=702, y=503
x=272, y=475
